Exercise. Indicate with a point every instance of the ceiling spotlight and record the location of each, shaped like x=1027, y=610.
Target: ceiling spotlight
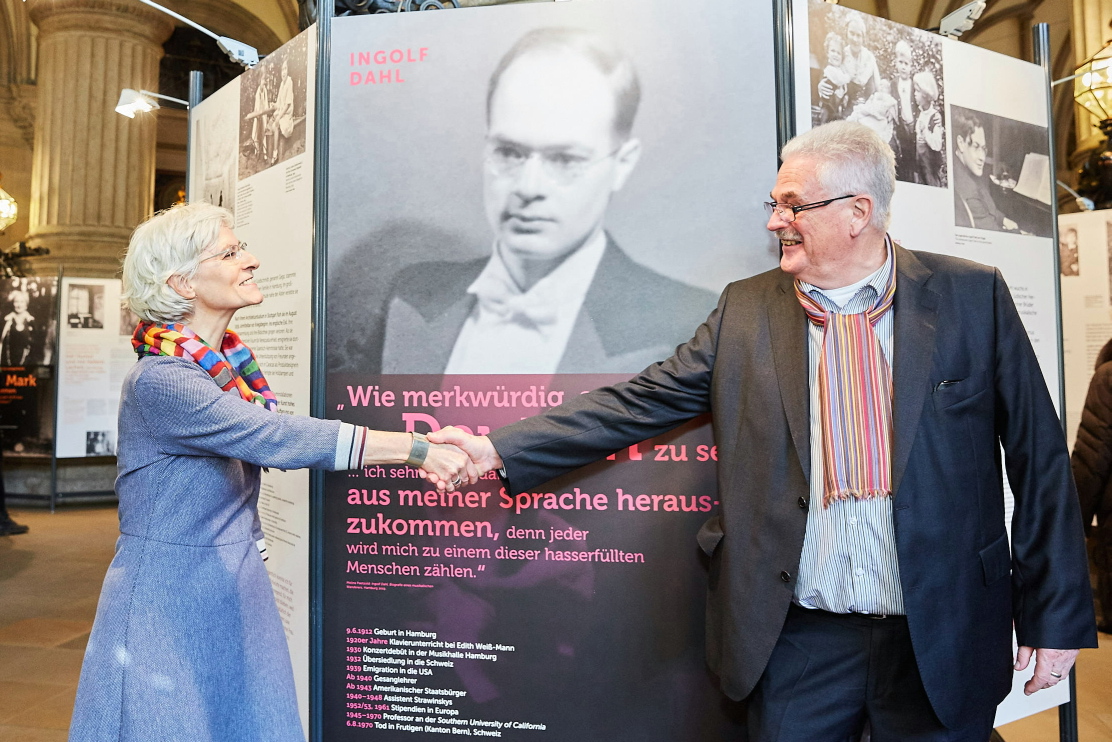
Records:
x=9, y=210
x=962, y=19
x=141, y=101
x=237, y=51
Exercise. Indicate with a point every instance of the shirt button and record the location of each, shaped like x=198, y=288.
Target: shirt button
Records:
x=786, y=576
x=853, y=520
x=859, y=571
x=803, y=502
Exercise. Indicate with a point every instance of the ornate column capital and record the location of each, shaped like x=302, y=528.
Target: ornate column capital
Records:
x=94, y=17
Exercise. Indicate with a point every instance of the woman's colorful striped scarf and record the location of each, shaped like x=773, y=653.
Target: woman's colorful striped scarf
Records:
x=855, y=398
x=240, y=370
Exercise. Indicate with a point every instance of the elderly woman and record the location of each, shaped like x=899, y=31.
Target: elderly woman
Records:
x=187, y=643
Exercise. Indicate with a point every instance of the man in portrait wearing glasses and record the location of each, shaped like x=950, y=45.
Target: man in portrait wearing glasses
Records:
x=557, y=294
x=860, y=568
x=974, y=205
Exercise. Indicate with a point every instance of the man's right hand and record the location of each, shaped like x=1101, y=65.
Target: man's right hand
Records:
x=478, y=447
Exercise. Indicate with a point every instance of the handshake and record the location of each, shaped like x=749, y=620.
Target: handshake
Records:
x=456, y=458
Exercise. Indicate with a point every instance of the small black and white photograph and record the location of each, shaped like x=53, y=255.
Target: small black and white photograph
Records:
x=272, y=99
x=581, y=195
x=27, y=307
x=1002, y=179
x=128, y=321
x=100, y=443
x=85, y=306
x=214, y=159
x=1067, y=252
x=1108, y=232
x=886, y=76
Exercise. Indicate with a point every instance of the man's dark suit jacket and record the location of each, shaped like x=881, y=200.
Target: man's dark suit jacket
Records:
x=966, y=382
x=631, y=316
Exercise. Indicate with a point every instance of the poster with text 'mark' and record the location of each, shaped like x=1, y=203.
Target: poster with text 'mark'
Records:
x=972, y=167
x=527, y=202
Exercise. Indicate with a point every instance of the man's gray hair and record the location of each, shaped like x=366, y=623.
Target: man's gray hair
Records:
x=169, y=243
x=608, y=59
x=852, y=158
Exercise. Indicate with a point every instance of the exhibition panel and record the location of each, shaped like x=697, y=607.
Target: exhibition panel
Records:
x=917, y=90
x=94, y=353
x=973, y=167
x=28, y=341
x=525, y=203
x=1085, y=250
x=514, y=206
x=252, y=153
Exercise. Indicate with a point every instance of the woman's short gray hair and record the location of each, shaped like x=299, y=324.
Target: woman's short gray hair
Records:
x=852, y=158
x=169, y=243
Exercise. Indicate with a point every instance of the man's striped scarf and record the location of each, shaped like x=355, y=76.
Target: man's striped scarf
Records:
x=240, y=370
x=855, y=397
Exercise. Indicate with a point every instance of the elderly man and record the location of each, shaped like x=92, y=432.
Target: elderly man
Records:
x=861, y=394
x=557, y=289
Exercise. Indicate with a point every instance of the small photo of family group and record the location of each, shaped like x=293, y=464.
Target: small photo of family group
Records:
x=886, y=76
x=1002, y=176
x=272, y=100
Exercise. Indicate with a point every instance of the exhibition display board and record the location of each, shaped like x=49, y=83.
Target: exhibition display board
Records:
x=1085, y=249
x=973, y=167
x=576, y=611
x=94, y=355
x=462, y=279
x=28, y=336
x=252, y=153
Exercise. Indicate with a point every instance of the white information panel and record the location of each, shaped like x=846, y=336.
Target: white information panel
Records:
x=987, y=197
x=94, y=354
x=1084, y=241
x=252, y=154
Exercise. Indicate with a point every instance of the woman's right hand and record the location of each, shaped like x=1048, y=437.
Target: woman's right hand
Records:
x=448, y=467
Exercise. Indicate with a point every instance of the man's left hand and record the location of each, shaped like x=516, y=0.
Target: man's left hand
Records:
x=1051, y=666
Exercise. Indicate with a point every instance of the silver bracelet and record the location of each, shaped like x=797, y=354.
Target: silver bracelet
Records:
x=418, y=450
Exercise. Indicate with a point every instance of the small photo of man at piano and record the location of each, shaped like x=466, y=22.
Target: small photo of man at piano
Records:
x=1002, y=179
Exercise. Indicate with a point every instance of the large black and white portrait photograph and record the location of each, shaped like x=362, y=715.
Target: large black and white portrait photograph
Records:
x=272, y=99
x=1002, y=178
x=569, y=198
x=886, y=76
x=214, y=158
x=27, y=332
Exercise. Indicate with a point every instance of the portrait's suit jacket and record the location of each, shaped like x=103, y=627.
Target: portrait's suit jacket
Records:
x=966, y=383
x=631, y=316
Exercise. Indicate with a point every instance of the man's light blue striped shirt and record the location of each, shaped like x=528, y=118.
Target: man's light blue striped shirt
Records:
x=849, y=560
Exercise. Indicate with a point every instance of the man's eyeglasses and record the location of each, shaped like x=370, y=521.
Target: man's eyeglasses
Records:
x=787, y=212
x=560, y=166
x=975, y=146
x=232, y=253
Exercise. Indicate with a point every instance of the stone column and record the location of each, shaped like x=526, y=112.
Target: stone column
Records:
x=93, y=169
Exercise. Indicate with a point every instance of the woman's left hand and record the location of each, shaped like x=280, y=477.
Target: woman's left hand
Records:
x=448, y=467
